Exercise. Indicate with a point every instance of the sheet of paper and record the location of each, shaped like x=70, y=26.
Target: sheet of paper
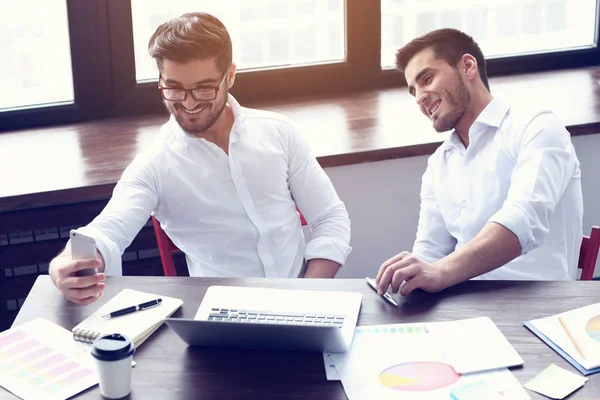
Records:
x=40, y=360
x=556, y=382
x=403, y=361
x=479, y=390
x=474, y=345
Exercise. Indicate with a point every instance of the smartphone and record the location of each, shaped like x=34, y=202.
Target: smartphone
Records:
x=83, y=247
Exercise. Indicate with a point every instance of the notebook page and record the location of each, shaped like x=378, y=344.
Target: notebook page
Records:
x=584, y=325
x=137, y=325
x=474, y=345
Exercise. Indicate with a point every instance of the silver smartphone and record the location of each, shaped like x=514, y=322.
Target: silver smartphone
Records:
x=83, y=247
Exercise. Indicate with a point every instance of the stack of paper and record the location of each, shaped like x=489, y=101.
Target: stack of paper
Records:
x=584, y=326
x=411, y=361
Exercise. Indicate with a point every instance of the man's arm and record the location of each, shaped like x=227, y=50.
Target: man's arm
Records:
x=493, y=247
x=321, y=268
x=133, y=200
x=318, y=201
x=433, y=241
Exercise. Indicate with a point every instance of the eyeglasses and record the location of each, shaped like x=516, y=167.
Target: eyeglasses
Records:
x=199, y=94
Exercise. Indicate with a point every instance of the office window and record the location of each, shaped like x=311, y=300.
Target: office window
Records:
x=501, y=27
x=36, y=55
x=264, y=33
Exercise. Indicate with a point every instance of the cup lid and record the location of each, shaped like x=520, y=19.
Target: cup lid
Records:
x=112, y=347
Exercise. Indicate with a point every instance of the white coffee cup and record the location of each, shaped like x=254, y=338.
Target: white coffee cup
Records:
x=113, y=354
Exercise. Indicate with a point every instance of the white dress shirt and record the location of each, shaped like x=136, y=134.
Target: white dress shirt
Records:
x=232, y=215
x=519, y=170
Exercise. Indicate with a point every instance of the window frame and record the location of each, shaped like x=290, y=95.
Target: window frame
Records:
x=105, y=86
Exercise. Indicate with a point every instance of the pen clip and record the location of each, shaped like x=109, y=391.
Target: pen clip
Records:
x=151, y=306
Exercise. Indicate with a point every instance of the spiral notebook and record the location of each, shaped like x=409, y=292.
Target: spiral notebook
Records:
x=138, y=326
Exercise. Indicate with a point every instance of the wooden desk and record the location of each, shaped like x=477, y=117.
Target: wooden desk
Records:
x=168, y=369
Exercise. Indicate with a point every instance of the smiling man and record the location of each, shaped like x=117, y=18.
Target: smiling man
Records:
x=501, y=197
x=223, y=180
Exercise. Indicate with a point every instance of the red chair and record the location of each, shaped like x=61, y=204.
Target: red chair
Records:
x=589, y=254
x=166, y=248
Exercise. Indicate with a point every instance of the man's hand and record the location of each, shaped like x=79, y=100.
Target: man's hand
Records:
x=81, y=290
x=417, y=274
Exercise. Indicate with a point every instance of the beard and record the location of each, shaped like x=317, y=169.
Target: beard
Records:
x=192, y=124
x=457, y=100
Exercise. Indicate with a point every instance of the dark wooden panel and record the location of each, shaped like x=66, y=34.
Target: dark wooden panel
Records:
x=30, y=253
x=360, y=127
x=6, y=317
x=167, y=368
x=50, y=217
x=17, y=287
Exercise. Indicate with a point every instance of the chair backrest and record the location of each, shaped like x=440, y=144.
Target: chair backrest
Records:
x=589, y=254
x=166, y=247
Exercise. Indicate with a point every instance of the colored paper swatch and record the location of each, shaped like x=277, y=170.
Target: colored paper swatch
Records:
x=40, y=360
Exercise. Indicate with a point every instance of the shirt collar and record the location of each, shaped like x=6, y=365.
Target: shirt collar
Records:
x=493, y=113
x=491, y=116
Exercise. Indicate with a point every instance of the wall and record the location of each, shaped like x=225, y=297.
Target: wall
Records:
x=382, y=199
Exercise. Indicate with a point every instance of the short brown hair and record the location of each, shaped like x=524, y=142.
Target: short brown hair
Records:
x=193, y=36
x=447, y=44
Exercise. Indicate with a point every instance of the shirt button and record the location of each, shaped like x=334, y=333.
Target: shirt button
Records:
x=262, y=248
x=237, y=178
x=463, y=204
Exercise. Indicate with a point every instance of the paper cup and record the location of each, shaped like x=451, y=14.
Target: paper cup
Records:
x=113, y=354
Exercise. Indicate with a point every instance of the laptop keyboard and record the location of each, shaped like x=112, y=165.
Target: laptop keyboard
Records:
x=275, y=317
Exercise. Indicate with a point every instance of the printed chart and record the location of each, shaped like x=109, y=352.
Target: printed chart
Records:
x=40, y=360
x=418, y=376
x=592, y=328
x=403, y=361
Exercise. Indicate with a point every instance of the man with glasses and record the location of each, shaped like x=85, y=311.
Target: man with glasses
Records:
x=223, y=180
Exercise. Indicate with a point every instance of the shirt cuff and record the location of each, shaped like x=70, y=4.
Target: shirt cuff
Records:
x=109, y=251
x=514, y=219
x=327, y=249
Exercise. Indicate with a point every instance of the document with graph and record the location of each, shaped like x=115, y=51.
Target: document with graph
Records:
x=577, y=339
x=404, y=361
x=40, y=360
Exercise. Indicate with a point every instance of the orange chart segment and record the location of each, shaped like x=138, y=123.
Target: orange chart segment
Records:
x=418, y=376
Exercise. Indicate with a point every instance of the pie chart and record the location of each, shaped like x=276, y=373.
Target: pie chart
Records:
x=418, y=376
x=592, y=328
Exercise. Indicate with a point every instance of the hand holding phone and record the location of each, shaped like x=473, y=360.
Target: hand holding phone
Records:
x=82, y=248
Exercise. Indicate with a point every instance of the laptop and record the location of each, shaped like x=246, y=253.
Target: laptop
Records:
x=265, y=318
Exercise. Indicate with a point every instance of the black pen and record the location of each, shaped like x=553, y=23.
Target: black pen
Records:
x=386, y=295
x=139, y=307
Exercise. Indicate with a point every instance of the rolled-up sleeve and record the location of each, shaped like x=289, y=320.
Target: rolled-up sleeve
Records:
x=433, y=241
x=133, y=200
x=545, y=163
x=318, y=201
